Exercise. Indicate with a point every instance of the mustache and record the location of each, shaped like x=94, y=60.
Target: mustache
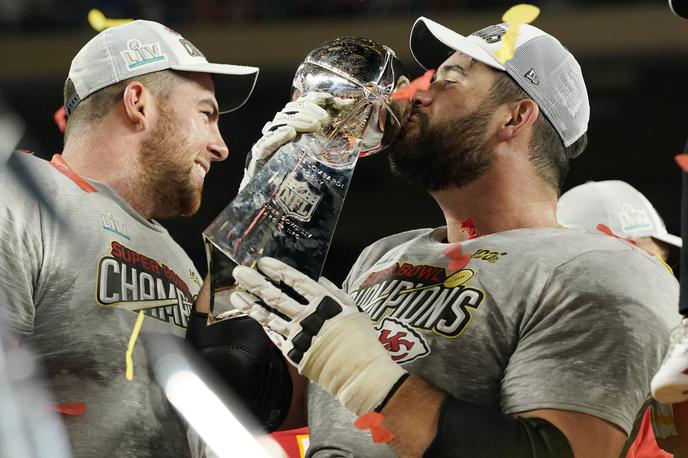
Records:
x=421, y=116
x=415, y=111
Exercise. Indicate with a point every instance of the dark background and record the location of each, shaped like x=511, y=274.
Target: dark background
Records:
x=634, y=57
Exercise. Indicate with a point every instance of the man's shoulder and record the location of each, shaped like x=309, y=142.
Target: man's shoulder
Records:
x=560, y=246
x=400, y=240
x=602, y=269
x=600, y=251
x=30, y=159
x=406, y=236
x=26, y=181
x=569, y=259
x=26, y=171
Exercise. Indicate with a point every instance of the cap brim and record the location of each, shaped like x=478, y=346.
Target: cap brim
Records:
x=432, y=43
x=679, y=8
x=233, y=83
x=670, y=239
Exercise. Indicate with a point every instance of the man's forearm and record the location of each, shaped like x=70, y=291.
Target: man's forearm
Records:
x=427, y=422
x=411, y=415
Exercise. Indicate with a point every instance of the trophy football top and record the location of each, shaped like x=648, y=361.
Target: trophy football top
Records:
x=364, y=73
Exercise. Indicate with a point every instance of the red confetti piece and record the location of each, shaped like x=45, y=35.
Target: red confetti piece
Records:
x=453, y=251
x=368, y=420
x=458, y=259
x=468, y=227
x=458, y=264
x=422, y=83
x=372, y=421
x=59, y=163
x=60, y=118
x=682, y=161
x=605, y=230
x=75, y=408
x=381, y=435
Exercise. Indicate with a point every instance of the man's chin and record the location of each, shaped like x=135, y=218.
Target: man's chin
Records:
x=186, y=205
x=193, y=206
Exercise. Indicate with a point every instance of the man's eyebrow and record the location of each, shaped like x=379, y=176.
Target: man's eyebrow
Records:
x=212, y=104
x=452, y=68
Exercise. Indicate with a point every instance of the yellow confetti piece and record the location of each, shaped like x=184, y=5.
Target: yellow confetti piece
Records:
x=661, y=259
x=100, y=22
x=515, y=17
x=130, y=350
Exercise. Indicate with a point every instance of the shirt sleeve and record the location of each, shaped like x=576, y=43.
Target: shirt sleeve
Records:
x=21, y=255
x=596, y=338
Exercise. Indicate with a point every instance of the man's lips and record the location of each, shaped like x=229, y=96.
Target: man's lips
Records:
x=203, y=165
x=199, y=170
x=413, y=120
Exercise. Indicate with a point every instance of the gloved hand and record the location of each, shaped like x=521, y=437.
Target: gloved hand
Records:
x=305, y=114
x=327, y=338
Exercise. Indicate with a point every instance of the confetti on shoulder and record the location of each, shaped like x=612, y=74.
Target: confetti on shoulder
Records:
x=515, y=16
x=457, y=258
x=682, y=161
x=74, y=408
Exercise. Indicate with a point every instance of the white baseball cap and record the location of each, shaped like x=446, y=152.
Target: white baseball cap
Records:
x=140, y=47
x=617, y=205
x=541, y=65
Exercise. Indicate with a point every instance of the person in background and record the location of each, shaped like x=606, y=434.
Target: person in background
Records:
x=617, y=207
x=624, y=211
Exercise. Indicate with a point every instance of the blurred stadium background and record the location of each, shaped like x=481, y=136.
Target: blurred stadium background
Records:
x=634, y=56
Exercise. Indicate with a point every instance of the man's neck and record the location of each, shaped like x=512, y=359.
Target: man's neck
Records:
x=109, y=162
x=496, y=203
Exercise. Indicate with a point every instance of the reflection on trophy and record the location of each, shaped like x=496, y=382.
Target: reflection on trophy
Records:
x=289, y=210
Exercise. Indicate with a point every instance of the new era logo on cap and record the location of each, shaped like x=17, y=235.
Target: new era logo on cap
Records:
x=532, y=76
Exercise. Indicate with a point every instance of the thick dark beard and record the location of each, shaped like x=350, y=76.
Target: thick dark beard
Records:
x=165, y=171
x=452, y=153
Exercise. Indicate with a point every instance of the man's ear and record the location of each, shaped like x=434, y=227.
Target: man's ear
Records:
x=137, y=104
x=520, y=116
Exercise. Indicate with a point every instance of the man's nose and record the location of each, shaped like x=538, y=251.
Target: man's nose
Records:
x=423, y=98
x=217, y=146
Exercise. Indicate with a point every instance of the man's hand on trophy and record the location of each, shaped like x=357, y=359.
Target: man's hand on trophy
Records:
x=323, y=333
x=305, y=114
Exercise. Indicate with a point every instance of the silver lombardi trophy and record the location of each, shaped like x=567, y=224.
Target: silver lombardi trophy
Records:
x=289, y=210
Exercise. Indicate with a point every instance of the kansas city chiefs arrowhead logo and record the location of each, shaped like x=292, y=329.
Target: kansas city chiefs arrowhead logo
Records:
x=402, y=342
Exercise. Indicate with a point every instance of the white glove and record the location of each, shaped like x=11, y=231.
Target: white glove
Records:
x=305, y=114
x=327, y=339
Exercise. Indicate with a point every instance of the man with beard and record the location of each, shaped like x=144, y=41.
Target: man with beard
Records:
x=501, y=333
x=81, y=262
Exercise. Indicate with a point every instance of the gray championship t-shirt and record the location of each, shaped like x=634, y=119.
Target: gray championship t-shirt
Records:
x=76, y=268
x=538, y=319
